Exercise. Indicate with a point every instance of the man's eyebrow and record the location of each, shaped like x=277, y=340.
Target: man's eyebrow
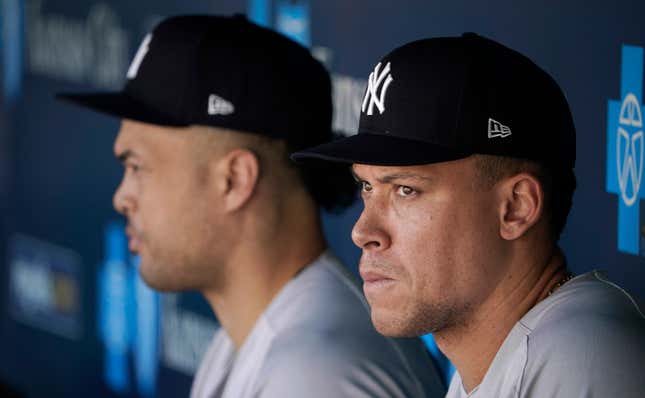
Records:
x=389, y=178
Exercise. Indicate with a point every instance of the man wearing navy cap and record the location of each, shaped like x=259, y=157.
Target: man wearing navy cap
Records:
x=465, y=153
x=211, y=109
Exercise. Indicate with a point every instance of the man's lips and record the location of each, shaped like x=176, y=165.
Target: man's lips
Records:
x=372, y=276
x=375, y=283
x=133, y=245
x=133, y=239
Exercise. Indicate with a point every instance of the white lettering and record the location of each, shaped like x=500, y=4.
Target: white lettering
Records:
x=94, y=51
x=347, y=97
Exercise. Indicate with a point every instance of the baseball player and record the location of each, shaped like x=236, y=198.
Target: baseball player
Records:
x=210, y=111
x=465, y=153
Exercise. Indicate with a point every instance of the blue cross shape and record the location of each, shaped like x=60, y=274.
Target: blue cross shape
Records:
x=625, y=149
x=128, y=318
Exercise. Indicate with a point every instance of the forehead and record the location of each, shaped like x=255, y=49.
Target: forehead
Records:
x=146, y=139
x=434, y=171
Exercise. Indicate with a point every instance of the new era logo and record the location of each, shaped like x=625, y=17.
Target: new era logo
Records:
x=219, y=106
x=378, y=79
x=496, y=129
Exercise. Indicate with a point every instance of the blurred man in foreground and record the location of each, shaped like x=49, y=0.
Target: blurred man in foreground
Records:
x=465, y=153
x=211, y=109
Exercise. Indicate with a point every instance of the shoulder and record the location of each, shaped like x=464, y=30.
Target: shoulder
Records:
x=324, y=292
x=324, y=365
x=587, y=307
x=589, y=336
x=214, y=365
x=323, y=334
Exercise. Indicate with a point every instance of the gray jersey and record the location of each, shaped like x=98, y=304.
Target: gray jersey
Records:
x=316, y=339
x=586, y=340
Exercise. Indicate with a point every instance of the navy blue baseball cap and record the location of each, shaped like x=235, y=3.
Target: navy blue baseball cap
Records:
x=444, y=99
x=224, y=72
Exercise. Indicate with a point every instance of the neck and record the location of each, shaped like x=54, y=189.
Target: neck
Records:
x=263, y=262
x=472, y=346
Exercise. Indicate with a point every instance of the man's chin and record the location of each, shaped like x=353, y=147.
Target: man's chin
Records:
x=163, y=286
x=388, y=325
x=155, y=280
x=166, y=276
x=398, y=324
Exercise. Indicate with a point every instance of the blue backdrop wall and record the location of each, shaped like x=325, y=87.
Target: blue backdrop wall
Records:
x=75, y=320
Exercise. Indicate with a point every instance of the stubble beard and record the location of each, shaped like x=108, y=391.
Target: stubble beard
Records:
x=417, y=316
x=164, y=272
x=420, y=319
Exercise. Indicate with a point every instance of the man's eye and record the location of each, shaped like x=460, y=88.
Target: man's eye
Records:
x=404, y=190
x=365, y=186
x=133, y=167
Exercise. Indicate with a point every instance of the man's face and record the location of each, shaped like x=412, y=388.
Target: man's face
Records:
x=430, y=238
x=165, y=198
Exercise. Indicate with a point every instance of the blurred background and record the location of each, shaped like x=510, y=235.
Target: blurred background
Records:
x=75, y=319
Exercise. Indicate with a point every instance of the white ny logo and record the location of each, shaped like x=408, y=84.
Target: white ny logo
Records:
x=133, y=70
x=373, y=84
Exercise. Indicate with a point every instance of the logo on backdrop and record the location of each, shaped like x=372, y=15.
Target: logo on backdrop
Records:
x=11, y=46
x=92, y=50
x=45, y=286
x=377, y=80
x=626, y=150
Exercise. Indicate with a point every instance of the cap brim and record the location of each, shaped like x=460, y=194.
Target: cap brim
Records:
x=379, y=150
x=121, y=105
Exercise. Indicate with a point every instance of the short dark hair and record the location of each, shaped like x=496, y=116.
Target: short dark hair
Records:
x=558, y=184
x=331, y=185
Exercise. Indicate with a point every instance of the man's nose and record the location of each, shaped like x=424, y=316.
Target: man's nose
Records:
x=122, y=200
x=368, y=232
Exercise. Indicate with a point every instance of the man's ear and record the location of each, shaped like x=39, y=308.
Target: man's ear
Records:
x=238, y=174
x=521, y=205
